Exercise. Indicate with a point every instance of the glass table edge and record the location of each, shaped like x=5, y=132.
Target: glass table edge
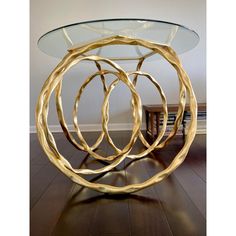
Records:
x=118, y=19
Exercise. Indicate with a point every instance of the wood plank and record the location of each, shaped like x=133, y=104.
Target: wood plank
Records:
x=34, y=169
x=43, y=178
x=112, y=207
x=146, y=214
x=41, y=182
x=81, y=205
x=191, y=182
x=78, y=213
x=183, y=216
x=37, y=155
x=168, y=208
x=47, y=210
x=193, y=185
x=197, y=156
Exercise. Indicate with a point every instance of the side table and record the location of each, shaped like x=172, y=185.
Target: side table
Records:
x=106, y=42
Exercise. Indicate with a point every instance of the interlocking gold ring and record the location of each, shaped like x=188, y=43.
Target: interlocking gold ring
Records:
x=54, y=82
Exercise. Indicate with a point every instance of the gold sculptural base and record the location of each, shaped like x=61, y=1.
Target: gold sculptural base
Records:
x=54, y=82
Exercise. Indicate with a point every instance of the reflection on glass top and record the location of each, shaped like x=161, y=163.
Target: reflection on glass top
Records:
x=56, y=42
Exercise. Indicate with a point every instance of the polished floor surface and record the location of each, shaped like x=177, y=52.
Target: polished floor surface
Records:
x=176, y=206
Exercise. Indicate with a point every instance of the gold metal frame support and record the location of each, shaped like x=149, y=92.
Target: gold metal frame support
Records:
x=54, y=82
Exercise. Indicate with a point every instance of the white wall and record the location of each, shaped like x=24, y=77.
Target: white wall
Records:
x=47, y=15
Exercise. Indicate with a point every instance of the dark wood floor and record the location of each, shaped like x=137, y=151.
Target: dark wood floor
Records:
x=176, y=206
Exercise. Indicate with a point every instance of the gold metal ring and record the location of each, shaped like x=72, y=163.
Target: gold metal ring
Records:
x=47, y=140
x=150, y=148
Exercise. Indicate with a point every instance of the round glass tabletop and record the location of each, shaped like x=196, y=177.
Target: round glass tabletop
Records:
x=57, y=42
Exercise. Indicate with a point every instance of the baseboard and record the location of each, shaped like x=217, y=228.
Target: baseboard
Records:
x=201, y=128
x=91, y=127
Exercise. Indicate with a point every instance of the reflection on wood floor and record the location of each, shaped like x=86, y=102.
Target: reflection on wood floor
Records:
x=176, y=206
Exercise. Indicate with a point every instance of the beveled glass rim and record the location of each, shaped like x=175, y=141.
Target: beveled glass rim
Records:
x=120, y=19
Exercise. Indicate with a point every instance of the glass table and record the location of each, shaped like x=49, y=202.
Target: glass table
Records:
x=112, y=41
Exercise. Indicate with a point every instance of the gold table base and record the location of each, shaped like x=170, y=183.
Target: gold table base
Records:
x=54, y=82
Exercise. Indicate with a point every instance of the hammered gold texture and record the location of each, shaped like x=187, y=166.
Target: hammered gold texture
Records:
x=54, y=82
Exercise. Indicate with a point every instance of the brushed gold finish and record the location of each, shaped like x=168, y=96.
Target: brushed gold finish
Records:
x=54, y=82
